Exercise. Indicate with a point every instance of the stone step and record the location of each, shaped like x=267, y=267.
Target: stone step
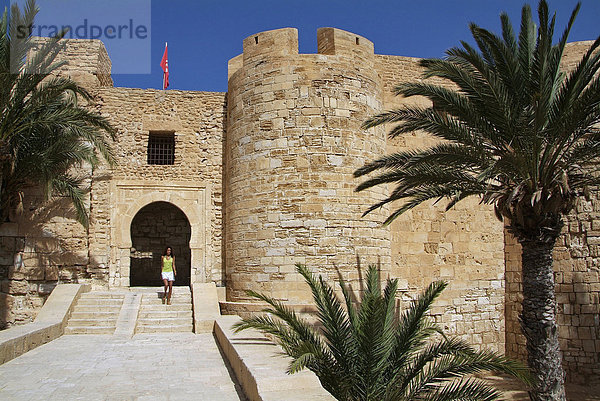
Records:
x=162, y=313
x=90, y=329
x=161, y=307
x=158, y=297
x=148, y=290
x=159, y=294
x=164, y=328
x=176, y=290
x=97, y=308
x=92, y=321
x=156, y=317
x=165, y=321
x=103, y=295
x=101, y=301
x=152, y=304
x=98, y=313
x=95, y=315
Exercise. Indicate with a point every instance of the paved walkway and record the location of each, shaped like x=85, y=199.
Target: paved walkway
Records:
x=175, y=366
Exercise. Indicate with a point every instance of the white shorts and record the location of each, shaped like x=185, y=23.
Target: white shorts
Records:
x=169, y=276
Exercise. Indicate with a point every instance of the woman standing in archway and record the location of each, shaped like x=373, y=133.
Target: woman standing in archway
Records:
x=168, y=273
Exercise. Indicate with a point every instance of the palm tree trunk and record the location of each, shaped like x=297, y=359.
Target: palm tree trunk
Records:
x=538, y=321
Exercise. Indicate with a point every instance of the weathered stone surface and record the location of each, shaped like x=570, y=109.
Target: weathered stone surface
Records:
x=263, y=175
x=260, y=369
x=48, y=325
x=206, y=307
x=577, y=286
x=290, y=159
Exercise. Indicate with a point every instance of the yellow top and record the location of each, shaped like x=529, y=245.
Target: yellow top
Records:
x=167, y=264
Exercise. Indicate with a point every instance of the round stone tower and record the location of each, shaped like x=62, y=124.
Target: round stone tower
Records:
x=293, y=140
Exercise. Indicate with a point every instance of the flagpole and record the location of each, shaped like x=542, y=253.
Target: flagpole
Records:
x=164, y=75
x=165, y=72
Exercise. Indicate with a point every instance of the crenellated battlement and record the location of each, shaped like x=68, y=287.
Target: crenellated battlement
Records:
x=88, y=62
x=278, y=42
x=339, y=42
x=284, y=42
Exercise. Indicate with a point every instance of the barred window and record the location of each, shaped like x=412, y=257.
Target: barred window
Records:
x=161, y=148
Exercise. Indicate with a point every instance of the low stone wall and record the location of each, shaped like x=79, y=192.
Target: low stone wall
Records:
x=49, y=324
x=260, y=368
x=247, y=309
x=205, y=301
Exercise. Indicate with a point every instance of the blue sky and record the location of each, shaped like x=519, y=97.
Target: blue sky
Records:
x=204, y=35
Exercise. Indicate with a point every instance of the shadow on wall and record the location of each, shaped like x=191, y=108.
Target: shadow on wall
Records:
x=48, y=257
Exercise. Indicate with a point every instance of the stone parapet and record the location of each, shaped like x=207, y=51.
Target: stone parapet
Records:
x=49, y=324
x=260, y=368
x=205, y=302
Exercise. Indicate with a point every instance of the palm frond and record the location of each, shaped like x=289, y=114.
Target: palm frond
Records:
x=511, y=116
x=44, y=134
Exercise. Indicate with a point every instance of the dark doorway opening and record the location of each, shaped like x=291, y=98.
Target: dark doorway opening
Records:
x=154, y=227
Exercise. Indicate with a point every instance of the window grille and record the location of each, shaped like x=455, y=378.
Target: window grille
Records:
x=161, y=148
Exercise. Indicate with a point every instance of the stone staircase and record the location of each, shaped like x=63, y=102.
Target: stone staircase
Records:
x=95, y=313
x=104, y=312
x=156, y=317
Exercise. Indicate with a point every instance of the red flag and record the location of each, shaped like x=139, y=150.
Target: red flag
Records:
x=164, y=63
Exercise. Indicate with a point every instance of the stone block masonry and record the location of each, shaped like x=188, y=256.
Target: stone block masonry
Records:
x=462, y=246
x=293, y=142
x=54, y=251
x=577, y=280
x=192, y=183
x=262, y=176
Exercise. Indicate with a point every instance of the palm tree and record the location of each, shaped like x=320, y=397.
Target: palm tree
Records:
x=45, y=135
x=370, y=350
x=517, y=132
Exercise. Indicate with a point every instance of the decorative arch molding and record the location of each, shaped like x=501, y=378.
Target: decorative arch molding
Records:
x=124, y=234
x=130, y=197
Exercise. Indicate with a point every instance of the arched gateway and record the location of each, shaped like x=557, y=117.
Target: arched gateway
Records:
x=154, y=227
x=150, y=217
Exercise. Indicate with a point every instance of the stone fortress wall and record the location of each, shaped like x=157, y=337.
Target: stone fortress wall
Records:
x=192, y=184
x=462, y=246
x=263, y=174
x=293, y=142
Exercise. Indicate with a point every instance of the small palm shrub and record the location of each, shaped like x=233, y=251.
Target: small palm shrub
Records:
x=368, y=349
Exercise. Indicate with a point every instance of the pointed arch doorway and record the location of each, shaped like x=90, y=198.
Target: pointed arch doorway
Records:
x=153, y=228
